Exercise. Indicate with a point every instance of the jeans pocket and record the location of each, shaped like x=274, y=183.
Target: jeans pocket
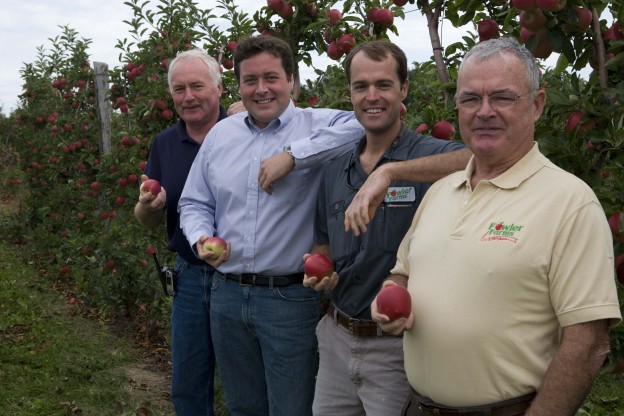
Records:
x=298, y=293
x=217, y=280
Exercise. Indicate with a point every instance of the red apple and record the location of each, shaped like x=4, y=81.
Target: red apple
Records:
x=166, y=114
x=399, y=3
x=228, y=64
x=533, y=19
x=346, y=42
x=333, y=51
x=544, y=46
x=151, y=186
x=574, y=120
x=551, y=5
x=487, y=29
x=385, y=17
x=421, y=128
x=161, y=104
x=318, y=265
x=372, y=14
x=334, y=16
x=394, y=301
x=524, y=4
x=275, y=5
x=443, y=130
x=232, y=45
x=614, y=223
x=286, y=12
x=216, y=245
x=584, y=19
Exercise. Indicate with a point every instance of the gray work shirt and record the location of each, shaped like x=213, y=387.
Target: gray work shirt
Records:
x=364, y=262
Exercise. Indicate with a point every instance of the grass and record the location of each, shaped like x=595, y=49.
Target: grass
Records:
x=55, y=361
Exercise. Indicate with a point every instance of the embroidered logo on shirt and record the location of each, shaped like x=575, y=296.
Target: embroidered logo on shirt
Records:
x=499, y=231
x=400, y=194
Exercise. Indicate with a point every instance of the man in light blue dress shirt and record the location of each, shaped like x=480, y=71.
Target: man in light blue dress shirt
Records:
x=262, y=318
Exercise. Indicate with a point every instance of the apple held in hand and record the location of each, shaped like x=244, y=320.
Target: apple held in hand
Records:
x=216, y=245
x=318, y=265
x=395, y=302
x=151, y=186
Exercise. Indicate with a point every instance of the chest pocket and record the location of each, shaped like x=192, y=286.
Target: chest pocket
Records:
x=395, y=219
x=343, y=246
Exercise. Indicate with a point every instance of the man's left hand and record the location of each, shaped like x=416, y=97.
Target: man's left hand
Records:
x=274, y=168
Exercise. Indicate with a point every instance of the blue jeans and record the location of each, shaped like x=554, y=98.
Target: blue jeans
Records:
x=265, y=346
x=192, y=384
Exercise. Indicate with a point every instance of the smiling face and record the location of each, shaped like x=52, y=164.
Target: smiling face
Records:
x=498, y=137
x=376, y=94
x=264, y=87
x=195, y=94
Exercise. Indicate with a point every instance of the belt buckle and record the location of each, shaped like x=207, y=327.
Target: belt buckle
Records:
x=253, y=280
x=351, y=327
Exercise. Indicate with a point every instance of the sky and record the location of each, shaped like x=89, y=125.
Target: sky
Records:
x=29, y=24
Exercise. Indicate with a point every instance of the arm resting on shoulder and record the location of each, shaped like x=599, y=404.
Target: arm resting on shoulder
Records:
x=572, y=371
x=423, y=169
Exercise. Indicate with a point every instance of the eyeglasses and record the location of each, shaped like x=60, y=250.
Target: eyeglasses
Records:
x=498, y=101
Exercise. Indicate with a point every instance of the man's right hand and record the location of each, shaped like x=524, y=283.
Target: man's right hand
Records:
x=151, y=203
x=207, y=255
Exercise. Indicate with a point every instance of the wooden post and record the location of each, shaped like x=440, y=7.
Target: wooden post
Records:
x=103, y=105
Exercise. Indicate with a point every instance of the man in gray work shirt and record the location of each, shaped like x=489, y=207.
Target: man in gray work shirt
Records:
x=361, y=368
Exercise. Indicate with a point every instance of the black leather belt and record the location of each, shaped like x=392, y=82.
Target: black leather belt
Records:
x=252, y=279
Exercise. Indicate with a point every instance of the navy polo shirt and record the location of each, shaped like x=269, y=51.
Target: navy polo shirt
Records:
x=364, y=262
x=171, y=156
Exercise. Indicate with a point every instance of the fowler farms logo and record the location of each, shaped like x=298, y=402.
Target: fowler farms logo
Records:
x=400, y=194
x=499, y=231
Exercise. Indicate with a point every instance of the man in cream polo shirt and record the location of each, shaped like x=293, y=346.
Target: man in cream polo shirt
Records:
x=510, y=262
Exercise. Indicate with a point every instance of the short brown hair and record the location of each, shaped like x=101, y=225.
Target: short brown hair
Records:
x=378, y=50
x=255, y=45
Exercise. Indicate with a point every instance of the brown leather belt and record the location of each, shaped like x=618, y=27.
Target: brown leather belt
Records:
x=512, y=407
x=357, y=327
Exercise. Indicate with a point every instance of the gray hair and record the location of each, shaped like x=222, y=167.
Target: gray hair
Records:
x=483, y=51
x=211, y=64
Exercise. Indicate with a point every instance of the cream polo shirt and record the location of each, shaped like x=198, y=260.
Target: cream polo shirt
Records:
x=495, y=272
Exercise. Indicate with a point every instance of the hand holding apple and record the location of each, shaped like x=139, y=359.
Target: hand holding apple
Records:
x=386, y=323
x=319, y=272
x=152, y=194
x=213, y=248
x=150, y=187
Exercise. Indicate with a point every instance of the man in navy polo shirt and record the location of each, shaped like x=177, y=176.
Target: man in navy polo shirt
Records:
x=195, y=85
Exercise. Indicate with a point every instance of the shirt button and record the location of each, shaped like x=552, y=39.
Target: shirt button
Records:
x=251, y=212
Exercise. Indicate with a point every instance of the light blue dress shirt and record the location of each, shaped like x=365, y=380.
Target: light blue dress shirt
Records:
x=269, y=234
